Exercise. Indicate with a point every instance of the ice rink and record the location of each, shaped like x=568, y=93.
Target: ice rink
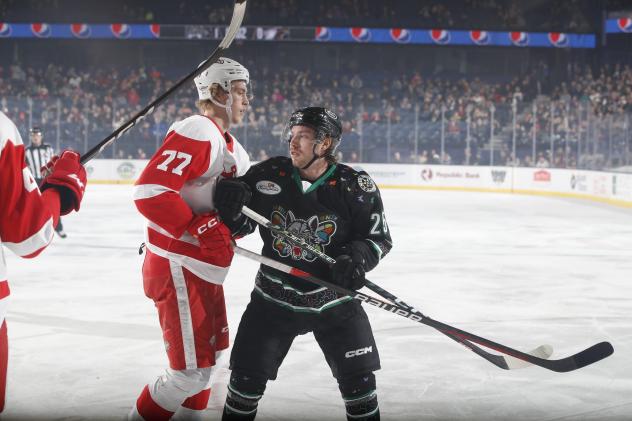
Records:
x=520, y=270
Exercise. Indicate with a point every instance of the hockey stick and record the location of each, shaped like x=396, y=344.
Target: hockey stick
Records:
x=231, y=33
x=502, y=361
x=586, y=357
x=505, y=362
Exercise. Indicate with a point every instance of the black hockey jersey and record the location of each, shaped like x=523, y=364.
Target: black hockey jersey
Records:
x=341, y=206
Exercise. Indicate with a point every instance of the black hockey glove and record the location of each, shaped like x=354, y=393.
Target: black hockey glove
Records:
x=350, y=267
x=230, y=196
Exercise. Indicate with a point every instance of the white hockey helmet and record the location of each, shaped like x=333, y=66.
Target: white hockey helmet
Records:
x=222, y=72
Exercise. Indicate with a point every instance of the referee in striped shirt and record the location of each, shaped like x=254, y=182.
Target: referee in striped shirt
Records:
x=37, y=155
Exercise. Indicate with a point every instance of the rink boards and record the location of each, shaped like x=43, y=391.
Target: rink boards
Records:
x=608, y=187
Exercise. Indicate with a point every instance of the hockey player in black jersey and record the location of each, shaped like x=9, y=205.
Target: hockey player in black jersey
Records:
x=336, y=208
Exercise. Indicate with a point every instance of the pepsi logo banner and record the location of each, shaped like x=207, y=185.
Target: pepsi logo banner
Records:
x=480, y=37
x=5, y=30
x=440, y=36
x=79, y=31
x=403, y=36
x=400, y=35
x=619, y=25
x=360, y=34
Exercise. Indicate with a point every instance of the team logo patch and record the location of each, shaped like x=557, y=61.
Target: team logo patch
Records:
x=366, y=184
x=268, y=187
x=312, y=230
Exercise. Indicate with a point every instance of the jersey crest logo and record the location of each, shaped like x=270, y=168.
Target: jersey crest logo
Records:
x=313, y=230
x=366, y=184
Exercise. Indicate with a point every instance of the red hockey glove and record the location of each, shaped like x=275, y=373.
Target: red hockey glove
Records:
x=68, y=177
x=214, y=238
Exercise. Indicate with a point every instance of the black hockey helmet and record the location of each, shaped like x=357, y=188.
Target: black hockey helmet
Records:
x=325, y=122
x=35, y=130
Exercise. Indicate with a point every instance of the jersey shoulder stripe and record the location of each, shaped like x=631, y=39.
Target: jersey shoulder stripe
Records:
x=198, y=128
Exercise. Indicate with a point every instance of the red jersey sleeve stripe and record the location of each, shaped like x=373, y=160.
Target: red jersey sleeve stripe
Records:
x=146, y=191
x=34, y=244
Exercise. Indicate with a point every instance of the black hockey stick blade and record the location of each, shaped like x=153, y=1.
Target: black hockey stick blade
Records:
x=235, y=23
x=574, y=362
x=586, y=357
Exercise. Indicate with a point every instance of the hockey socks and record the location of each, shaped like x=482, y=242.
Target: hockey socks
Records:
x=147, y=409
x=243, y=397
x=360, y=397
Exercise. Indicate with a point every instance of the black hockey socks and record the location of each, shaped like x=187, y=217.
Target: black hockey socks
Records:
x=360, y=396
x=243, y=397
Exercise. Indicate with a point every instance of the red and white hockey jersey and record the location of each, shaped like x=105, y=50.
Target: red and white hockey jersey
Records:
x=26, y=219
x=179, y=182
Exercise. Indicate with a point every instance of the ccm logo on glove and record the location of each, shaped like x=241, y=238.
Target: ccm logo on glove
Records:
x=207, y=226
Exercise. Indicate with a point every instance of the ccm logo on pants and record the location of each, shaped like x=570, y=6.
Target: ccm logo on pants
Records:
x=358, y=352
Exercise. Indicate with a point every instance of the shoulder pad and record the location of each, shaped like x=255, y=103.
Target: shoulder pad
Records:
x=197, y=127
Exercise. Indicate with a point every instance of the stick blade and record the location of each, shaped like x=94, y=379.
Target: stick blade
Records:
x=235, y=24
x=593, y=354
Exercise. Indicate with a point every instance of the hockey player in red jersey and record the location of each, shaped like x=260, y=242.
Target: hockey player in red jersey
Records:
x=28, y=214
x=189, y=249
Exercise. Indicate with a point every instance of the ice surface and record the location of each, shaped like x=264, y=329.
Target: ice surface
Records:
x=521, y=270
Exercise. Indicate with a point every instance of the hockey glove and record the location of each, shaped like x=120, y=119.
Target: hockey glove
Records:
x=214, y=238
x=230, y=197
x=356, y=259
x=68, y=177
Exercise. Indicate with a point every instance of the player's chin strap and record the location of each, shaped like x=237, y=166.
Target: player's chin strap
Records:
x=228, y=106
x=314, y=158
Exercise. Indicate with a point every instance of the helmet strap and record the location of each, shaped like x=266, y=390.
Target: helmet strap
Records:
x=314, y=158
x=228, y=106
